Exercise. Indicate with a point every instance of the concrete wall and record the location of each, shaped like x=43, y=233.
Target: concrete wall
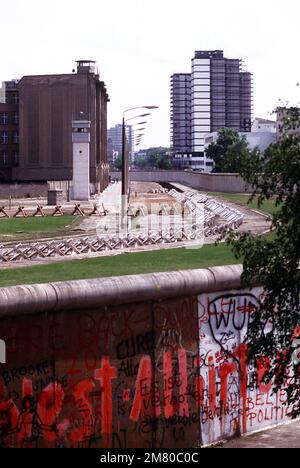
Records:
x=202, y=181
x=18, y=190
x=37, y=190
x=140, y=361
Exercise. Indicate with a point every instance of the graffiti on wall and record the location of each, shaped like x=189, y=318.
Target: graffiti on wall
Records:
x=166, y=374
x=116, y=377
x=238, y=399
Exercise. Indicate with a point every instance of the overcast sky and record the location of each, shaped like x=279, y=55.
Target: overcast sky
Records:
x=138, y=44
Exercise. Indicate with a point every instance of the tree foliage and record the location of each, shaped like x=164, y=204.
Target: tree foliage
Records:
x=273, y=260
x=229, y=152
x=141, y=162
x=118, y=163
x=156, y=158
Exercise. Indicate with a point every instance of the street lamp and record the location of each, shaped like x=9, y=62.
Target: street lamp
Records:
x=125, y=184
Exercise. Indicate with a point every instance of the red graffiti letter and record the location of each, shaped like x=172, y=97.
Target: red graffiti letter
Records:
x=106, y=374
x=184, y=404
x=85, y=430
x=200, y=386
x=9, y=416
x=49, y=407
x=241, y=353
x=168, y=374
x=212, y=385
x=143, y=390
x=225, y=370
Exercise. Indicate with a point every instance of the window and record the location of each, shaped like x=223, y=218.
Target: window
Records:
x=16, y=118
x=4, y=118
x=15, y=138
x=15, y=158
x=4, y=158
x=4, y=138
x=15, y=98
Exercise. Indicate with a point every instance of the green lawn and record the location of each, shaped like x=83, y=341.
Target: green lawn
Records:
x=17, y=228
x=119, y=265
x=125, y=264
x=268, y=206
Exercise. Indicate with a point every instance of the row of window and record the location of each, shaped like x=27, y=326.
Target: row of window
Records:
x=5, y=118
x=12, y=98
x=7, y=158
x=9, y=137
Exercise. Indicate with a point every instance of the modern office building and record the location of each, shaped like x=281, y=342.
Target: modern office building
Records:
x=9, y=129
x=220, y=96
x=47, y=106
x=114, y=142
x=181, y=112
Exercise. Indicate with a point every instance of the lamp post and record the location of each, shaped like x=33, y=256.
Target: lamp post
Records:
x=125, y=185
x=125, y=160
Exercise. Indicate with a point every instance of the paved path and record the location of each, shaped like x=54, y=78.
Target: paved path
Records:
x=111, y=199
x=287, y=436
x=111, y=196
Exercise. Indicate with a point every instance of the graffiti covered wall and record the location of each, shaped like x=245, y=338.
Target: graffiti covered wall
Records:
x=235, y=399
x=166, y=372
x=113, y=377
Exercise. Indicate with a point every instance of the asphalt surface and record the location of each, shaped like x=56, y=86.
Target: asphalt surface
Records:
x=286, y=436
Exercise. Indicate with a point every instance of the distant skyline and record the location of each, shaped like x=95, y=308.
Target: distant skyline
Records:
x=138, y=45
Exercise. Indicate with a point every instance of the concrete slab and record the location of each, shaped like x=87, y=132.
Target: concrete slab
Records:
x=254, y=221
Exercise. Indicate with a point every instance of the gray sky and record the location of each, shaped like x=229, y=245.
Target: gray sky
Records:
x=138, y=44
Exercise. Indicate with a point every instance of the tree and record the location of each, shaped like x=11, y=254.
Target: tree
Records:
x=223, y=152
x=273, y=260
x=118, y=163
x=237, y=156
x=162, y=162
x=140, y=162
x=156, y=158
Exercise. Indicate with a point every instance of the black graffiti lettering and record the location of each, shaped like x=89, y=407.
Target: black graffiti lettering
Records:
x=135, y=345
x=229, y=313
x=128, y=368
x=32, y=370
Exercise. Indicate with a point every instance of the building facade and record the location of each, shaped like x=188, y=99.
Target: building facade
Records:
x=181, y=112
x=220, y=96
x=47, y=106
x=114, y=142
x=9, y=129
x=264, y=125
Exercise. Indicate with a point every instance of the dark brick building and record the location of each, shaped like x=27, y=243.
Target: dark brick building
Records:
x=9, y=129
x=47, y=105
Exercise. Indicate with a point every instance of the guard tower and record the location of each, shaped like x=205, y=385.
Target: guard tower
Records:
x=85, y=67
x=81, y=138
